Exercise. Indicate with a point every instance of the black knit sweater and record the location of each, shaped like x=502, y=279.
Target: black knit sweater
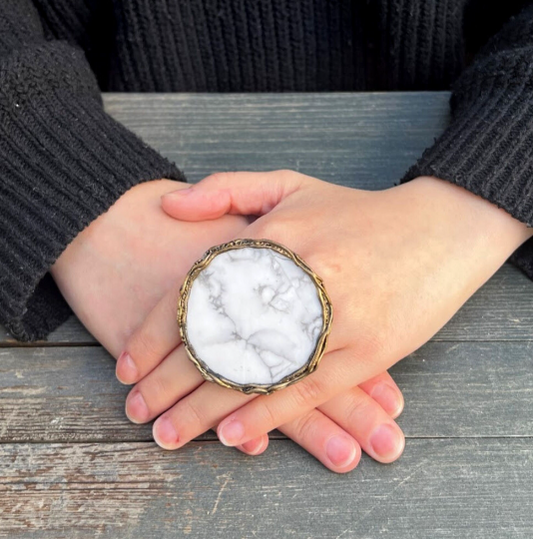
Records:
x=64, y=161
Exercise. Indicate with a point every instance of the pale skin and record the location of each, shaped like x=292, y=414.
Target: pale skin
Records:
x=397, y=265
x=116, y=272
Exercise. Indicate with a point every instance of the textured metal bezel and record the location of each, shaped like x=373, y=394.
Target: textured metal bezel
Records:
x=211, y=376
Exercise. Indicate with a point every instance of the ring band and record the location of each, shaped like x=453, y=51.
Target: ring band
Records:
x=253, y=316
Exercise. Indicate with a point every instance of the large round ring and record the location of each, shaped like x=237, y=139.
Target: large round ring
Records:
x=253, y=316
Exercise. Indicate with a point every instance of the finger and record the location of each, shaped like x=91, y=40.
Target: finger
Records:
x=193, y=415
x=152, y=342
x=325, y=440
x=242, y=193
x=196, y=413
x=383, y=389
x=255, y=447
x=364, y=419
x=338, y=372
x=174, y=378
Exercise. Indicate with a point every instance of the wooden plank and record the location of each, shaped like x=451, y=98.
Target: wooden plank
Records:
x=440, y=489
x=72, y=332
x=451, y=389
x=467, y=389
x=500, y=311
x=366, y=140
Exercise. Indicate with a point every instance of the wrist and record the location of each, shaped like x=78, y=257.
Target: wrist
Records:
x=494, y=228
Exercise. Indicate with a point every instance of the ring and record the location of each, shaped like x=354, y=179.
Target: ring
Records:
x=253, y=316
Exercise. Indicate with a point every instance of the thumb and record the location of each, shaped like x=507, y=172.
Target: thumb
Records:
x=241, y=193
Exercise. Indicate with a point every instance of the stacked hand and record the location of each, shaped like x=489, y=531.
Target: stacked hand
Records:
x=118, y=269
x=397, y=265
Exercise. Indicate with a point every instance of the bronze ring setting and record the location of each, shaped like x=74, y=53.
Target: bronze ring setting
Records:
x=253, y=316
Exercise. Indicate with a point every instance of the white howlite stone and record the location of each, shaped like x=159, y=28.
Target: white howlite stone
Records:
x=253, y=316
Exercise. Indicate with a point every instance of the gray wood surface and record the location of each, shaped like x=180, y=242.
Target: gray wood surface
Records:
x=70, y=394
x=368, y=140
x=442, y=488
x=72, y=466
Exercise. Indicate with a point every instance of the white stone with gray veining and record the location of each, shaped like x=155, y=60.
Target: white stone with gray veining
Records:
x=253, y=316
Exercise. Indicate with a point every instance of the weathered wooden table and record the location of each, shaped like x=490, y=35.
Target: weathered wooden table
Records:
x=72, y=466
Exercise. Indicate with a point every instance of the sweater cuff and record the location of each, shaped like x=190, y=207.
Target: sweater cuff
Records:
x=487, y=148
x=63, y=162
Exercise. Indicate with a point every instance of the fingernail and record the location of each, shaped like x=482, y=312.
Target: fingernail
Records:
x=340, y=451
x=253, y=446
x=136, y=408
x=179, y=192
x=386, y=442
x=388, y=398
x=126, y=370
x=164, y=432
x=230, y=433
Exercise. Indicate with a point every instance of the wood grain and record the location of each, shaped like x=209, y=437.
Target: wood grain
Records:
x=366, y=140
x=451, y=389
x=72, y=466
x=460, y=488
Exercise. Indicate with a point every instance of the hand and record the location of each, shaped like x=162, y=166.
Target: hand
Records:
x=120, y=266
x=397, y=265
x=336, y=432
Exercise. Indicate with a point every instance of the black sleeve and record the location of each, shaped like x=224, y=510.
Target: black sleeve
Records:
x=488, y=146
x=63, y=162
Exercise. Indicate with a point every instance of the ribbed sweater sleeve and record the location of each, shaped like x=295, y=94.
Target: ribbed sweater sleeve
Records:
x=63, y=162
x=488, y=146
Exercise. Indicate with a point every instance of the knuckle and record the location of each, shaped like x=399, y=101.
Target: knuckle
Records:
x=305, y=426
x=365, y=345
x=268, y=418
x=142, y=346
x=156, y=390
x=307, y=392
x=294, y=177
x=286, y=173
x=218, y=178
x=193, y=414
x=371, y=345
x=330, y=260
x=357, y=408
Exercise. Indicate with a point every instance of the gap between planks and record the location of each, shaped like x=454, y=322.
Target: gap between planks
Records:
x=278, y=438
x=45, y=344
